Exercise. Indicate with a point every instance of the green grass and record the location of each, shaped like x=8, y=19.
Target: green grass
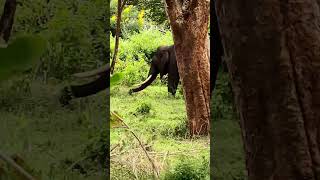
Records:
x=50, y=138
x=159, y=120
x=228, y=151
x=228, y=158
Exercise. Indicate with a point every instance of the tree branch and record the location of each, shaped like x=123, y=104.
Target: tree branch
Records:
x=16, y=166
x=123, y=4
x=7, y=19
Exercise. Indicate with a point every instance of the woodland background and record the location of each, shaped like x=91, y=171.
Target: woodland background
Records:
x=57, y=142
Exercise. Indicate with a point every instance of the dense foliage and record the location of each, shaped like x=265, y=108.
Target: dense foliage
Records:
x=143, y=30
x=76, y=31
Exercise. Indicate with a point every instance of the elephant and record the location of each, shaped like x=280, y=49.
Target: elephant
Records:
x=163, y=62
x=76, y=91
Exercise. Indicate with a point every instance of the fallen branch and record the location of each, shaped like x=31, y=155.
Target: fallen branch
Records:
x=17, y=167
x=140, y=143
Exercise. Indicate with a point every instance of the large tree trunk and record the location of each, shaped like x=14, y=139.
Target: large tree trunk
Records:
x=189, y=24
x=273, y=56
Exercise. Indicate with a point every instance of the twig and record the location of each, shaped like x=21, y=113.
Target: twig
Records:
x=141, y=145
x=114, y=147
x=16, y=166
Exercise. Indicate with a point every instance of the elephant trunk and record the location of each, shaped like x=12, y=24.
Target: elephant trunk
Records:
x=144, y=84
x=99, y=71
x=90, y=88
x=93, y=87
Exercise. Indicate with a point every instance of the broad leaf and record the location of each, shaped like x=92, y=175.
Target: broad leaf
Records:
x=116, y=78
x=20, y=55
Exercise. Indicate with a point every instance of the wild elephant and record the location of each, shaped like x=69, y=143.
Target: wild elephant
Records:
x=163, y=62
x=93, y=87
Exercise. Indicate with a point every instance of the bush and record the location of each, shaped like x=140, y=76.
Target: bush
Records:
x=134, y=71
x=144, y=108
x=154, y=13
x=188, y=169
x=141, y=46
x=136, y=52
x=74, y=29
x=222, y=100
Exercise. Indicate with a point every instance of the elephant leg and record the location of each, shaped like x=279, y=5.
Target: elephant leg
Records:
x=173, y=81
x=172, y=89
x=173, y=73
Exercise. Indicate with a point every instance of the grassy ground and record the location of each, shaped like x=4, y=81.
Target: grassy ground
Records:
x=159, y=120
x=227, y=145
x=50, y=138
x=228, y=151
x=53, y=141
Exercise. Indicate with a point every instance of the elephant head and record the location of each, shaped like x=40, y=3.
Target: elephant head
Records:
x=163, y=62
x=93, y=87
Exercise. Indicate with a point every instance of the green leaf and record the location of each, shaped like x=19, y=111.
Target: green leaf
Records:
x=116, y=78
x=20, y=55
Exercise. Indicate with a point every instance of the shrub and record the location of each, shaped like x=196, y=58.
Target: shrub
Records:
x=188, y=169
x=222, y=100
x=136, y=52
x=144, y=108
x=75, y=31
x=141, y=46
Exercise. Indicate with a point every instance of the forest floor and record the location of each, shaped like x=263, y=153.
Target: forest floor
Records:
x=159, y=120
x=68, y=142
x=228, y=151
x=54, y=142
x=228, y=158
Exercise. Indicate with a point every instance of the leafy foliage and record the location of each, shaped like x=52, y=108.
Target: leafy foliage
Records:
x=20, y=55
x=135, y=54
x=155, y=10
x=76, y=31
x=144, y=108
x=188, y=169
x=222, y=100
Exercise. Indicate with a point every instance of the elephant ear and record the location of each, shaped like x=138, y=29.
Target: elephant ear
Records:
x=163, y=62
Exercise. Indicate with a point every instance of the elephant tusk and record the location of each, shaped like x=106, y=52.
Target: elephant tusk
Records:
x=95, y=72
x=145, y=83
x=148, y=79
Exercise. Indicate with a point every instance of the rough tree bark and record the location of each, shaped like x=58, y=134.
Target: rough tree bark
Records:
x=189, y=24
x=272, y=51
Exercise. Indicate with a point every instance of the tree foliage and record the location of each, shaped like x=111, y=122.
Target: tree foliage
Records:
x=75, y=29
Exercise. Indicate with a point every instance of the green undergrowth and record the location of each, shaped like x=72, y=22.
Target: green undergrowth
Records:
x=228, y=157
x=55, y=142
x=159, y=120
